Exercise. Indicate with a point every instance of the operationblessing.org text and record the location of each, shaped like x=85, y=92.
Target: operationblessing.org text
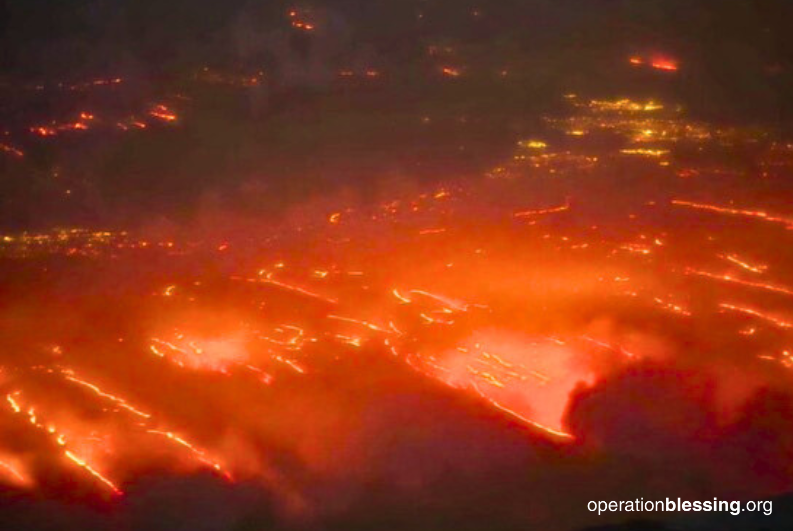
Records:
x=669, y=505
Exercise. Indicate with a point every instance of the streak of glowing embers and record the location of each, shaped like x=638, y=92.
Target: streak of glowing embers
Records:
x=265, y=377
x=448, y=306
x=425, y=232
x=69, y=375
x=163, y=113
x=218, y=356
x=542, y=211
x=293, y=343
x=450, y=71
x=653, y=153
x=472, y=367
x=637, y=248
x=294, y=340
x=290, y=362
x=436, y=320
x=161, y=353
x=365, y=324
x=666, y=305
x=11, y=150
x=743, y=264
x=198, y=453
x=267, y=277
x=91, y=470
x=783, y=290
x=60, y=438
x=302, y=25
x=192, y=356
x=158, y=112
x=785, y=358
x=672, y=307
x=757, y=214
x=423, y=202
x=487, y=377
x=776, y=321
x=130, y=123
x=14, y=473
x=356, y=341
x=662, y=63
x=448, y=302
x=442, y=315
x=521, y=418
x=499, y=371
x=608, y=346
x=401, y=298
x=53, y=129
x=370, y=73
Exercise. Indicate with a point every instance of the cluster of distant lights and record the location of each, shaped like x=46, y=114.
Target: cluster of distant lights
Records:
x=75, y=242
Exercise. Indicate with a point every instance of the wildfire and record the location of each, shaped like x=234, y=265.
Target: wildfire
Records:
x=542, y=211
x=491, y=290
x=759, y=214
x=299, y=23
x=11, y=150
x=163, y=113
x=450, y=71
x=657, y=62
